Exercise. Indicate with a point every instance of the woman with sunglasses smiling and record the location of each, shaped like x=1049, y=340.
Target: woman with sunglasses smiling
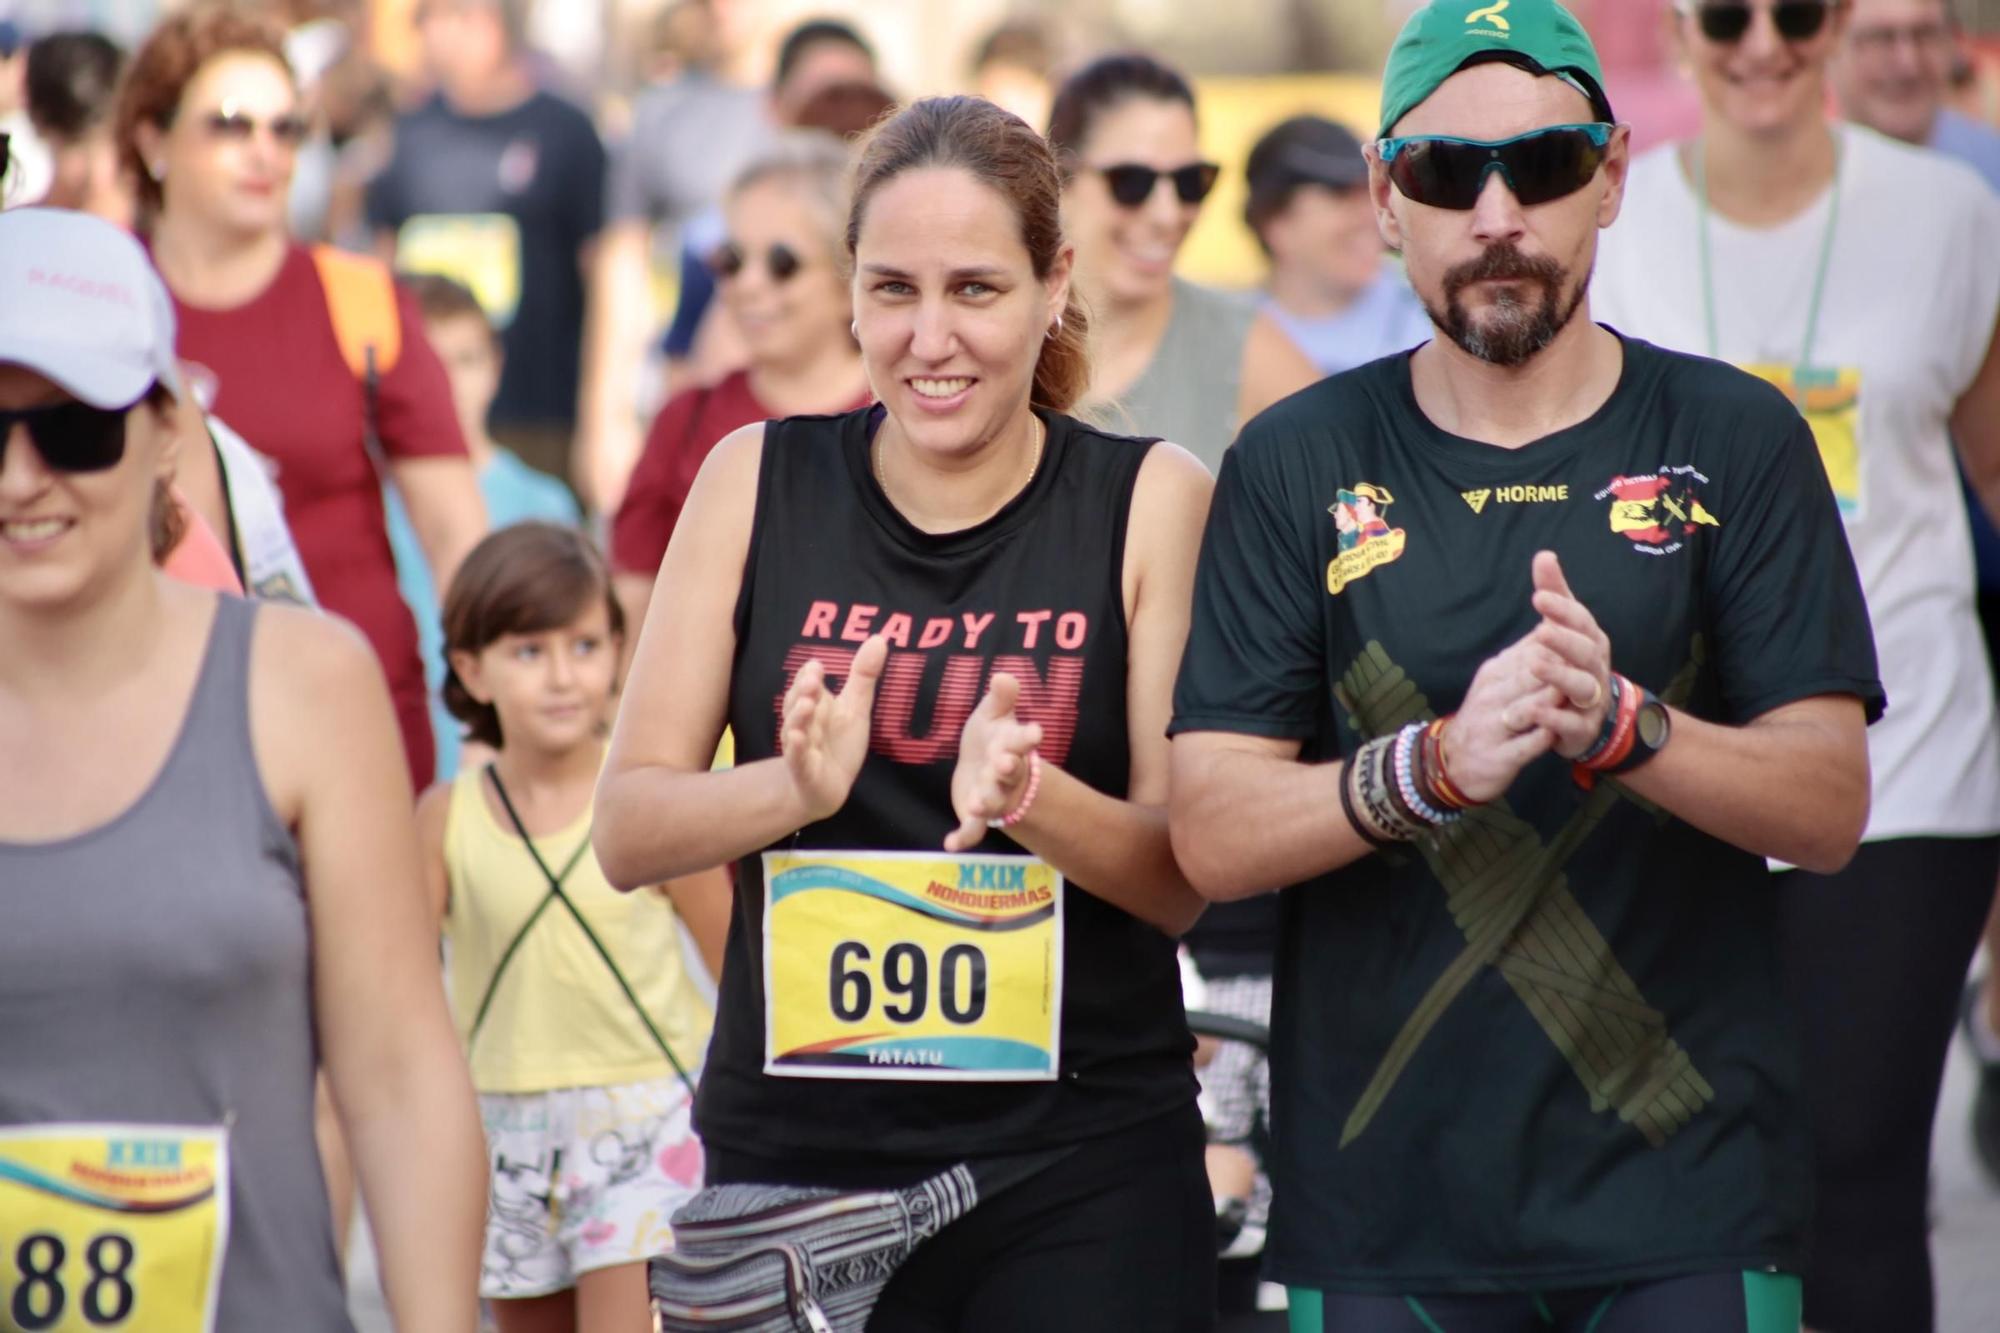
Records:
x=206, y=893
x=1859, y=275
x=943, y=631
x=783, y=282
x=1174, y=359
x=208, y=123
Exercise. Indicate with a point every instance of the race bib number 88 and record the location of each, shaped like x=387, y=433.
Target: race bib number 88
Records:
x=111, y=1227
x=909, y=965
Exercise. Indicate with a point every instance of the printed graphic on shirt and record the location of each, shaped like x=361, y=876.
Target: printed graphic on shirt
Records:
x=480, y=250
x=1526, y=923
x=1829, y=398
x=1367, y=542
x=1515, y=495
x=912, y=965
x=1658, y=511
x=518, y=163
x=939, y=667
x=113, y=1226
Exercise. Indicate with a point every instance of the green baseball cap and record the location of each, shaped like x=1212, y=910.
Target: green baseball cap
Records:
x=1445, y=36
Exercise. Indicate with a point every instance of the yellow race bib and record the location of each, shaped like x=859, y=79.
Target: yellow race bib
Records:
x=912, y=965
x=1829, y=398
x=112, y=1227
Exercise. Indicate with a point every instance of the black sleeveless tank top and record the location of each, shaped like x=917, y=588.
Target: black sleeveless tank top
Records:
x=1034, y=591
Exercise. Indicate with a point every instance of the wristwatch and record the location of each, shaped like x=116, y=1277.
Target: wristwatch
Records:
x=1651, y=728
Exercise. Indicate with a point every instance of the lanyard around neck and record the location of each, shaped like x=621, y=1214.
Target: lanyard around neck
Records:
x=1819, y=271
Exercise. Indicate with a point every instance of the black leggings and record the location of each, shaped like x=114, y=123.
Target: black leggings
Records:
x=1106, y=1240
x=1874, y=960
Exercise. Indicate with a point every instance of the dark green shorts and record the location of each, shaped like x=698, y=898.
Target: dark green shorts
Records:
x=1711, y=1302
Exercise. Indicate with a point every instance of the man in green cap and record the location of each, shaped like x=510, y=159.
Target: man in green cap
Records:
x=1516, y=768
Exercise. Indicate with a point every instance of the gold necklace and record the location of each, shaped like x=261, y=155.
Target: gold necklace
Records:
x=875, y=452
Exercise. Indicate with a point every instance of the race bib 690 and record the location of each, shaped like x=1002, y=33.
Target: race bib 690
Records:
x=912, y=965
x=112, y=1227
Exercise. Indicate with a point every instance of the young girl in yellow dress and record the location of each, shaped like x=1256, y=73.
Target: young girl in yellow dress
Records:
x=581, y=1020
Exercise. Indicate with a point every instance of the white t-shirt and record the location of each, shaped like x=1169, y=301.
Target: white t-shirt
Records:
x=1911, y=294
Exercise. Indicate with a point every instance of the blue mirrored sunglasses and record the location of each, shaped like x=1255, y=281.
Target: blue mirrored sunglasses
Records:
x=1541, y=165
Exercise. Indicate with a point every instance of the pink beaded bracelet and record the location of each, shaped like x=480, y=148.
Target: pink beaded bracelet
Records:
x=1020, y=810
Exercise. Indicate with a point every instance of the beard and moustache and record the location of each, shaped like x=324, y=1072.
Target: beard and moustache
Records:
x=1513, y=330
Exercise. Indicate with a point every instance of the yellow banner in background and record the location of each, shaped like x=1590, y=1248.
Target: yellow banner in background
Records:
x=1235, y=113
x=112, y=1227
x=912, y=965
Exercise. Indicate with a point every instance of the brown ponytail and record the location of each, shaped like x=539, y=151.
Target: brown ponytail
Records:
x=1002, y=151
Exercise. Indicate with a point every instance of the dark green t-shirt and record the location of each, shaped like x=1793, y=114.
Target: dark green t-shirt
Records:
x=1546, y=1047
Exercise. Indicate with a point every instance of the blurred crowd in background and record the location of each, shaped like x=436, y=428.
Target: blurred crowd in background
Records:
x=567, y=163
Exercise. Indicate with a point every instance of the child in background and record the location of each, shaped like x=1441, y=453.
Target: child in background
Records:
x=465, y=341
x=581, y=1022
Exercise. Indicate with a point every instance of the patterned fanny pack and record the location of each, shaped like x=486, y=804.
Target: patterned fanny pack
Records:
x=785, y=1259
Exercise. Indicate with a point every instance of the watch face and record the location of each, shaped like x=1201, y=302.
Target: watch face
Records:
x=1653, y=725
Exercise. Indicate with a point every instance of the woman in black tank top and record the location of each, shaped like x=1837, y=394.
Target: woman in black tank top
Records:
x=944, y=632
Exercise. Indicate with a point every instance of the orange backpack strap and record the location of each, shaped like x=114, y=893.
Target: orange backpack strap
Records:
x=361, y=298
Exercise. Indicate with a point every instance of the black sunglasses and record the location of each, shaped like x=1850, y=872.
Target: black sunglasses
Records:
x=288, y=130
x=1539, y=166
x=1132, y=183
x=780, y=261
x=1797, y=20
x=72, y=436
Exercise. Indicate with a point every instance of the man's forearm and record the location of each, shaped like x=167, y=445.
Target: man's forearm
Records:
x=1793, y=789
x=1246, y=823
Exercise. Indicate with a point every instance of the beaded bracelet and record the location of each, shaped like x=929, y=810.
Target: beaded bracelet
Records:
x=1389, y=792
x=1407, y=786
x=1020, y=810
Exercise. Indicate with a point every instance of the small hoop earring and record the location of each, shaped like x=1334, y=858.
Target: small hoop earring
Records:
x=854, y=329
x=1056, y=332
x=158, y=171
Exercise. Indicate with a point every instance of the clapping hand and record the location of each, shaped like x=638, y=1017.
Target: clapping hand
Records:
x=1549, y=690
x=825, y=735
x=993, y=763
x=1575, y=663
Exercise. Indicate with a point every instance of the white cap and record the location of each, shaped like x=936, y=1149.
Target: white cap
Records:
x=81, y=304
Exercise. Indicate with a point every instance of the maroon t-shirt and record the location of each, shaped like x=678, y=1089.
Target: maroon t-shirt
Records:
x=282, y=384
x=691, y=424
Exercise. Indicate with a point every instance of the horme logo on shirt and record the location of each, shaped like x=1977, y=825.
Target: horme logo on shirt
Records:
x=1514, y=495
x=1367, y=542
x=1658, y=511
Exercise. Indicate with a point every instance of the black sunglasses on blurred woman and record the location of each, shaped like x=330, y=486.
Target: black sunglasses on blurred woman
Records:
x=780, y=261
x=1797, y=20
x=1132, y=183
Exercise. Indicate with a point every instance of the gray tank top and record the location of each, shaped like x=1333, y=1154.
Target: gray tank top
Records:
x=1188, y=391
x=155, y=971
